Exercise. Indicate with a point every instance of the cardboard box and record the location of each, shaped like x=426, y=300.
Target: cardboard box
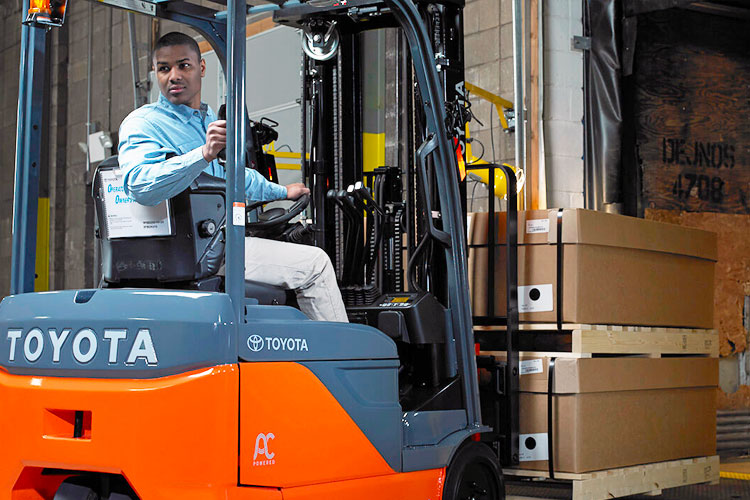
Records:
x=617, y=412
x=616, y=270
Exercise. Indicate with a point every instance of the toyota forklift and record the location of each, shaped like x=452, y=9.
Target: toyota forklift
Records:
x=171, y=380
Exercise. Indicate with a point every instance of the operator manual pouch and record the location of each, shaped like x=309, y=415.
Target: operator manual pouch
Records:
x=126, y=218
x=615, y=270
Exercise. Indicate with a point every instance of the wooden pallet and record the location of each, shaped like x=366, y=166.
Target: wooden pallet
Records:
x=583, y=340
x=649, y=479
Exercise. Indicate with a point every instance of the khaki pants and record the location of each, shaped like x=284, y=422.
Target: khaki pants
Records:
x=305, y=269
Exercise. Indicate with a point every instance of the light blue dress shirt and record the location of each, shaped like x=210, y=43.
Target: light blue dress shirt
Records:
x=153, y=131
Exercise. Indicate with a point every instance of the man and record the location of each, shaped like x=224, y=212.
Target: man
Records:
x=164, y=146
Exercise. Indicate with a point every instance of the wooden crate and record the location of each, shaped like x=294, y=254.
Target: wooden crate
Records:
x=689, y=112
x=649, y=479
x=581, y=340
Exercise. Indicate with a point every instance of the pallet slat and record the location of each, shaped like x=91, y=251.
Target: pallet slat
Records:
x=640, y=479
x=619, y=342
x=550, y=327
x=584, y=339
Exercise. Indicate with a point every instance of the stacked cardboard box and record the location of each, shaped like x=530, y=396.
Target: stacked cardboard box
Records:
x=608, y=412
x=616, y=412
x=616, y=270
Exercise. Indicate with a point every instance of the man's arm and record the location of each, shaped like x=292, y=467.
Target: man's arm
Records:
x=149, y=177
x=258, y=188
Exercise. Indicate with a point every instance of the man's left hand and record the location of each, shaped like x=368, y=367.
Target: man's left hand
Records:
x=294, y=191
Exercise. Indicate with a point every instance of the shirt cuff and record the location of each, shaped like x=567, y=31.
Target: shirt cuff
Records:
x=195, y=158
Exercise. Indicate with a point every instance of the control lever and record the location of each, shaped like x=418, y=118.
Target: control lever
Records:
x=369, y=251
x=338, y=198
x=362, y=191
x=355, y=216
x=358, y=200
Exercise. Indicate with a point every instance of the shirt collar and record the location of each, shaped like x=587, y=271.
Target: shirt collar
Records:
x=181, y=111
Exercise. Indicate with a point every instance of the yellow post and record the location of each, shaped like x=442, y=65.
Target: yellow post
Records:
x=41, y=266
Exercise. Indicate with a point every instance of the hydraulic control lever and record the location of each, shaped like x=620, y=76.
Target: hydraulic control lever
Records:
x=358, y=200
x=339, y=197
x=361, y=190
x=355, y=216
x=365, y=259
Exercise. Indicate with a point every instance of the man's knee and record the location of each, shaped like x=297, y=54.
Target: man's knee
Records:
x=320, y=260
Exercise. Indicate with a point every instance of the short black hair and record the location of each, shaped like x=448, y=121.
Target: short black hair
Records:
x=176, y=38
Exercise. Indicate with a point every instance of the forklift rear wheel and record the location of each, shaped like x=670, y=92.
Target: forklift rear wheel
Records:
x=474, y=474
x=74, y=489
x=95, y=487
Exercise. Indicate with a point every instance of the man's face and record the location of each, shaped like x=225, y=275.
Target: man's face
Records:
x=179, y=71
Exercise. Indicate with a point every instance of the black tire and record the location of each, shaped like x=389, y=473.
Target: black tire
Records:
x=75, y=489
x=474, y=474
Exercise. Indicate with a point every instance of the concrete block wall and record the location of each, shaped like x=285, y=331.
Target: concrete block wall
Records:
x=563, y=103
x=71, y=251
x=10, y=48
x=488, y=26
x=488, y=49
x=111, y=101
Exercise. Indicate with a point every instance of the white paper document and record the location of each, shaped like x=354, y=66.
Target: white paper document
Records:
x=126, y=218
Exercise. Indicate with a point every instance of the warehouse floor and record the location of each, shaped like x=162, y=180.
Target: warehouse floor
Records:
x=734, y=485
x=729, y=489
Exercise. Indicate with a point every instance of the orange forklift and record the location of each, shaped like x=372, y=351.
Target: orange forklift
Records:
x=170, y=380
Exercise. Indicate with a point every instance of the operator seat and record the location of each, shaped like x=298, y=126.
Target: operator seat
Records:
x=179, y=244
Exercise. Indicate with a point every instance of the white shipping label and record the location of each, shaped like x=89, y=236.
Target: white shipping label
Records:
x=530, y=366
x=533, y=447
x=238, y=214
x=535, y=298
x=537, y=226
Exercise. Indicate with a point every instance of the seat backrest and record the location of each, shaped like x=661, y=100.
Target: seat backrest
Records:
x=162, y=245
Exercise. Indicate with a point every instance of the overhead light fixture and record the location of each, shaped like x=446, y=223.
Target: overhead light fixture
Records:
x=46, y=12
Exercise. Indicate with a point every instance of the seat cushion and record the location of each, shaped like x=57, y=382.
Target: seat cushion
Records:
x=266, y=295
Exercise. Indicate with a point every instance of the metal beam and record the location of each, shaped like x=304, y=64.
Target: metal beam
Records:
x=446, y=169
x=205, y=21
x=721, y=10
x=28, y=153
x=236, y=156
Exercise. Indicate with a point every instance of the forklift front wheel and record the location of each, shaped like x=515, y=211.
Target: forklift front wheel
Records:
x=474, y=474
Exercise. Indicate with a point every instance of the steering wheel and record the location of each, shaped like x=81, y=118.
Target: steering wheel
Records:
x=275, y=217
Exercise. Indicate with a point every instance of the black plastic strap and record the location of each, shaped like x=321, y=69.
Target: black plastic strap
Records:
x=559, y=270
x=550, y=421
x=551, y=366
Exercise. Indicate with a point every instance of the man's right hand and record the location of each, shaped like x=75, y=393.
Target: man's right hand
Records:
x=216, y=140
